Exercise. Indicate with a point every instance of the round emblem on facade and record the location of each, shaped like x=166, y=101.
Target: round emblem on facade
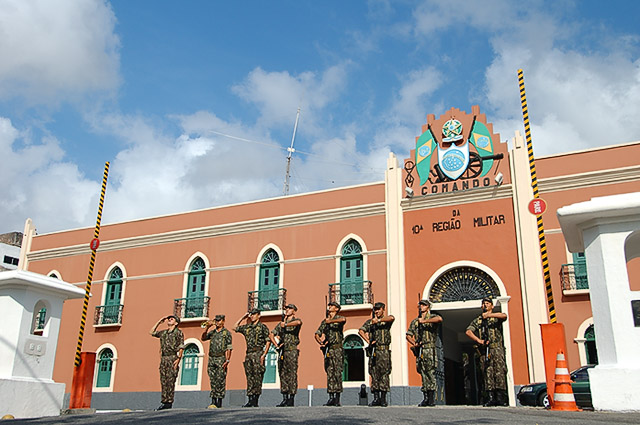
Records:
x=453, y=160
x=452, y=130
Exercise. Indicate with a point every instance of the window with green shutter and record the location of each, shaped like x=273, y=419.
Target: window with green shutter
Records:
x=269, y=285
x=190, y=365
x=195, y=289
x=270, y=362
x=105, y=366
x=353, y=369
x=351, y=274
x=590, y=345
x=113, y=297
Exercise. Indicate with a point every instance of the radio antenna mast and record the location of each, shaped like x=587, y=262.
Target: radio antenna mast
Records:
x=290, y=150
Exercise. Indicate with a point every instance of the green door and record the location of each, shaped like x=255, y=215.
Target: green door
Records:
x=269, y=285
x=105, y=365
x=354, y=358
x=113, y=298
x=190, y=365
x=580, y=270
x=270, y=362
x=351, y=276
x=195, y=290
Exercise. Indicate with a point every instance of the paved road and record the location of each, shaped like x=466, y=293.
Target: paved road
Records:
x=345, y=416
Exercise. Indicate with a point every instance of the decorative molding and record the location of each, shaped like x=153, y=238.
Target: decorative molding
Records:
x=592, y=178
x=467, y=196
x=271, y=223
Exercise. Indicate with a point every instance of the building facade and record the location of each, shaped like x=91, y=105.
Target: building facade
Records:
x=449, y=223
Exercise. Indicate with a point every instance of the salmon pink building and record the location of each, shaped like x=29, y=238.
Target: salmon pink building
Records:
x=450, y=223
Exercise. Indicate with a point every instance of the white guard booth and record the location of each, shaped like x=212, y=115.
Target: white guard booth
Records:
x=607, y=230
x=30, y=311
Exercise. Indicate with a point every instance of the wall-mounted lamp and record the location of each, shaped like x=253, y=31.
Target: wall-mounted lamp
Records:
x=499, y=178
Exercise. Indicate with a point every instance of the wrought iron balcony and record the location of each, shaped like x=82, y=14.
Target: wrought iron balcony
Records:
x=267, y=300
x=351, y=293
x=187, y=308
x=108, y=315
x=573, y=277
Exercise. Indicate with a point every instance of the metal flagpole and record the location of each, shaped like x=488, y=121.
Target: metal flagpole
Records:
x=291, y=150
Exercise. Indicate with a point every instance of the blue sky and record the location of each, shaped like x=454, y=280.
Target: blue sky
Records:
x=194, y=102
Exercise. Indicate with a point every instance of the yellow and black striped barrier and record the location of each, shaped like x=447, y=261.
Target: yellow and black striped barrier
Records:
x=534, y=185
x=94, y=246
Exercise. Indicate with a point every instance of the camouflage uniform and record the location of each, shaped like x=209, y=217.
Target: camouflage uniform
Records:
x=288, y=359
x=170, y=343
x=256, y=336
x=380, y=362
x=427, y=362
x=220, y=343
x=334, y=361
x=495, y=369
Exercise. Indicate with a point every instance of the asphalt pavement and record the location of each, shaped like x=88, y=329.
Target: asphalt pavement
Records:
x=349, y=415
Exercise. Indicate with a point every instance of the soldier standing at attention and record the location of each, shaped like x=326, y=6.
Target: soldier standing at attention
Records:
x=256, y=335
x=489, y=326
x=330, y=337
x=422, y=335
x=219, y=357
x=287, y=332
x=171, y=349
x=377, y=333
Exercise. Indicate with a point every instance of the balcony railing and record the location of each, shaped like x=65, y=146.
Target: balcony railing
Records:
x=267, y=300
x=351, y=293
x=108, y=315
x=573, y=277
x=191, y=307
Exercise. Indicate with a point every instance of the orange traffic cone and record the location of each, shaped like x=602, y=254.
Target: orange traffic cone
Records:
x=563, y=393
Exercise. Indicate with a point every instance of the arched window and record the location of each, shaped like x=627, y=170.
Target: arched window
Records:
x=113, y=297
x=40, y=319
x=269, y=284
x=353, y=359
x=195, y=302
x=590, y=345
x=190, y=365
x=351, y=274
x=105, y=366
x=271, y=364
x=463, y=284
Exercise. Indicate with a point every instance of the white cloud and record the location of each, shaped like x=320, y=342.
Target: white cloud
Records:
x=38, y=183
x=417, y=86
x=57, y=49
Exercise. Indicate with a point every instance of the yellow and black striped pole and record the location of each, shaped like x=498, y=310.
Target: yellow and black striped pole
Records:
x=94, y=247
x=534, y=185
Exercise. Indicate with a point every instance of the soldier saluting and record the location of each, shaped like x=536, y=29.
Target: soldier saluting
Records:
x=171, y=349
x=489, y=323
x=287, y=331
x=256, y=335
x=377, y=333
x=422, y=335
x=219, y=357
x=330, y=337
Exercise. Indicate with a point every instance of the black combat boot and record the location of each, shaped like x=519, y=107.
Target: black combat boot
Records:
x=255, y=400
x=491, y=399
x=383, y=399
x=214, y=401
x=431, y=398
x=336, y=402
x=291, y=402
x=249, y=402
x=285, y=400
x=376, y=399
x=218, y=403
x=164, y=406
x=425, y=399
x=501, y=398
x=331, y=401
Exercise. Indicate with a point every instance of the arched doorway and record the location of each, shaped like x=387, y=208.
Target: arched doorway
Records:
x=455, y=294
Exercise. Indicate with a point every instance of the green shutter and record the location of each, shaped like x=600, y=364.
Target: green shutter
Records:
x=113, y=297
x=190, y=365
x=105, y=365
x=351, y=275
x=195, y=289
x=269, y=283
x=270, y=362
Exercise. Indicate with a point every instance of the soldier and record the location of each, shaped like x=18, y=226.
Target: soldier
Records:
x=489, y=324
x=219, y=357
x=422, y=335
x=171, y=349
x=287, y=332
x=377, y=333
x=330, y=337
x=256, y=335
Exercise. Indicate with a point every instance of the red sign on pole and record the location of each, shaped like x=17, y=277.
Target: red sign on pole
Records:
x=95, y=243
x=537, y=206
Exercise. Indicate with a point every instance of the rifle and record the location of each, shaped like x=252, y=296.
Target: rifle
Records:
x=280, y=346
x=485, y=337
x=370, y=350
x=325, y=348
x=417, y=349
